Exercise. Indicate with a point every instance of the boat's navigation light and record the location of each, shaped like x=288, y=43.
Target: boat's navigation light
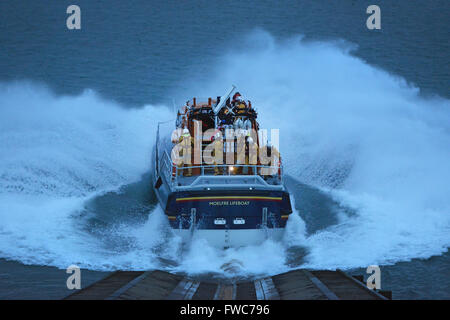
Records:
x=231, y=169
x=250, y=188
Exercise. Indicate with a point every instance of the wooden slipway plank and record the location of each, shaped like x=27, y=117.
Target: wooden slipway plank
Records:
x=157, y=285
x=184, y=290
x=295, y=285
x=205, y=291
x=225, y=292
x=245, y=291
x=362, y=285
x=128, y=286
x=343, y=287
x=105, y=287
x=265, y=289
x=321, y=286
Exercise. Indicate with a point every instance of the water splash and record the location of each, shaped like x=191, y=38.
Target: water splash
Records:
x=361, y=135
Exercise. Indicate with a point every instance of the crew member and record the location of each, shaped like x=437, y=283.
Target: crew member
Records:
x=240, y=107
x=217, y=152
x=251, y=156
x=186, y=142
x=247, y=124
x=236, y=97
x=269, y=157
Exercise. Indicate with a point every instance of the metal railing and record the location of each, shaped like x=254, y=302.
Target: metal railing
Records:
x=171, y=172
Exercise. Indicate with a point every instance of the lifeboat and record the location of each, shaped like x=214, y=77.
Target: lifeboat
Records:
x=216, y=176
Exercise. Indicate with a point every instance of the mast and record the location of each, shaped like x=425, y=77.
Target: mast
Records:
x=221, y=103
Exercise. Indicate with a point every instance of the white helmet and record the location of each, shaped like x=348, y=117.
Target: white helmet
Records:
x=250, y=140
x=185, y=131
x=237, y=124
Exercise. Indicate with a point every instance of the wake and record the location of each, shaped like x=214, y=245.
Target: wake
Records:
x=364, y=137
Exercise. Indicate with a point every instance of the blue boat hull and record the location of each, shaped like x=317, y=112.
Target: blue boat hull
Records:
x=225, y=217
x=231, y=209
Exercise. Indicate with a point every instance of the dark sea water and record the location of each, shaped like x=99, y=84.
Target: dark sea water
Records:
x=365, y=115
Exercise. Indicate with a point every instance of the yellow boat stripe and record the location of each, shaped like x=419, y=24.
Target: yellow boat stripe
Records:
x=285, y=217
x=229, y=197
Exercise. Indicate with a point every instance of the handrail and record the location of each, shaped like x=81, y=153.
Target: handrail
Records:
x=157, y=144
x=171, y=171
x=167, y=163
